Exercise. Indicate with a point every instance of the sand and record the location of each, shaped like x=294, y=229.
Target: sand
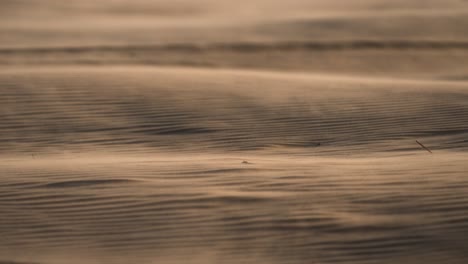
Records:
x=233, y=132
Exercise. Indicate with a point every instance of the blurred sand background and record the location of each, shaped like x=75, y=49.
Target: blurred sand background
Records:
x=124, y=127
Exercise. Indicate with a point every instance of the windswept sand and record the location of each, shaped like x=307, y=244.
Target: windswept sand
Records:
x=124, y=127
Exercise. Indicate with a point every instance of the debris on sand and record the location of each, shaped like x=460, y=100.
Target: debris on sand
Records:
x=424, y=147
x=246, y=162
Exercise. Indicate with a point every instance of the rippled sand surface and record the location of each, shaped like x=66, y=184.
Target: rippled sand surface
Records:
x=233, y=132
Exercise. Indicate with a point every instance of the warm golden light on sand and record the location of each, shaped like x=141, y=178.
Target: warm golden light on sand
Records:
x=208, y=131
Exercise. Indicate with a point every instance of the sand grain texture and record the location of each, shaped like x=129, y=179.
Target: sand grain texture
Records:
x=233, y=132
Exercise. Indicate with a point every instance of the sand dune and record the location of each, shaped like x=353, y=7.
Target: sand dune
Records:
x=51, y=23
x=214, y=209
x=210, y=131
x=147, y=161
x=147, y=108
x=399, y=59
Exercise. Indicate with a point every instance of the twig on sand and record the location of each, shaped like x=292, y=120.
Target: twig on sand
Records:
x=424, y=147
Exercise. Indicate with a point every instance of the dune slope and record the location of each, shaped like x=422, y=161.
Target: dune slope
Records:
x=208, y=131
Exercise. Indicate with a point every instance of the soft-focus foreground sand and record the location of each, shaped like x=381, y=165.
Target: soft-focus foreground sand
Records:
x=124, y=126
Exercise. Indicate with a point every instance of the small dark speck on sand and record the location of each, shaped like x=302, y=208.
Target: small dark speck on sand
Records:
x=246, y=162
